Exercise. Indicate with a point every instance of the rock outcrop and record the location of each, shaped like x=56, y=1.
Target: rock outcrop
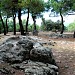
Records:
x=28, y=55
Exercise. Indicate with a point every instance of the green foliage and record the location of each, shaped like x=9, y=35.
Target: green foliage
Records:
x=71, y=27
x=17, y=27
x=31, y=27
x=72, y=5
x=1, y=27
x=49, y=25
x=24, y=24
x=9, y=8
x=37, y=6
x=63, y=5
x=10, y=26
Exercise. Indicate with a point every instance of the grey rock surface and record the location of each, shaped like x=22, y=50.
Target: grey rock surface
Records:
x=42, y=54
x=24, y=53
x=37, y=68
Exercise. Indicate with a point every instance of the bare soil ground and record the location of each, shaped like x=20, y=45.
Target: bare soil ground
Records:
x=63, y=51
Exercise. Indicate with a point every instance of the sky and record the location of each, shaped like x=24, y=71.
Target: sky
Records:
x=68, y=19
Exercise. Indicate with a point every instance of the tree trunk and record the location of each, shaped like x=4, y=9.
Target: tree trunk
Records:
x=35, y=32
x=34, y=24
x=27, y=21
x=0, y=30
x=74, y=35
x=34, y=17
x=3, y=24
x=62, y=28
x=6, y=25
x=20, y=22
x=14, y=23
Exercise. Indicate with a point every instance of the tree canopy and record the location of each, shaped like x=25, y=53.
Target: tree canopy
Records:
x=15, y=8
x=71, y=27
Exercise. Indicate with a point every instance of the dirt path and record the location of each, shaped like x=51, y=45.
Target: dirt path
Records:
x=64, y=53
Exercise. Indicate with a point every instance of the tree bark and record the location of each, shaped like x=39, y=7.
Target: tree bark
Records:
x=62, y=28
x=34, y=17
x=0, y=30
x=14, y=20
x=27, y=21
x=74, y=35
x=14, y=23
x=35, y=32
x=6, y=25
x=34, y=24
x=20, y=21
x=3, y=24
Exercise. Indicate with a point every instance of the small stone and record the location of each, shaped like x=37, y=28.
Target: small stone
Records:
x=66, y=67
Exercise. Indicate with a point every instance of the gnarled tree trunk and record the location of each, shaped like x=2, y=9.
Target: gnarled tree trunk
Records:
x=14, y=23
x=3, y=24
x=0, y=29
x=27, y=21
x=20, y=21
x=6, y=25
x=35, y=32
x=62, y=28
x=34, y=17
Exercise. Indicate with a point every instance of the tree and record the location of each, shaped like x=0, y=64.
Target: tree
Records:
x=7, y=24
x=20, y=21
x=26, y=7
x=14, y=6
x=27, y=21
x=3, y=24
x=1, y=17
x=72, y=7
x=60, y=7
x=37, y=7
x=23, y=5
x=9, y=9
